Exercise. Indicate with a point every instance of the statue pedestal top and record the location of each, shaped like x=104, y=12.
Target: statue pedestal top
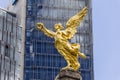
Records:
x=69, y=75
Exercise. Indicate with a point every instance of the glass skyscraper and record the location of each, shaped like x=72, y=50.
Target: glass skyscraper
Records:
x=10, y=42
x=41, y=60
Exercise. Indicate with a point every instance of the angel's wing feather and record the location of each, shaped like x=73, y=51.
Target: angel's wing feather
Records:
x=74, y=22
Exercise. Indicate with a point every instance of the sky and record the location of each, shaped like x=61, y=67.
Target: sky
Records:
x=106, y=38
x=3, y=3
x=106, y=30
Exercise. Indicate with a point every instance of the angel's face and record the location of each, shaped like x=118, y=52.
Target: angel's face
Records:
x=58, y=26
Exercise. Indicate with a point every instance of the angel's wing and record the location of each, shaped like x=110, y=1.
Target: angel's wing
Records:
x=41, y=27
x=74, y=22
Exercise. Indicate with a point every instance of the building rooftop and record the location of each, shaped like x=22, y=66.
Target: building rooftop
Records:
x=9, y=12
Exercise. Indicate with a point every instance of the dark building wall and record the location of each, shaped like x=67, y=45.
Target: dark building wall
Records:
x=10, y=38
x=42, y=61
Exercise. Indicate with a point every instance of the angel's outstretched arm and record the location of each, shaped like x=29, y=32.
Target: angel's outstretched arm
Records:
x=41, y=27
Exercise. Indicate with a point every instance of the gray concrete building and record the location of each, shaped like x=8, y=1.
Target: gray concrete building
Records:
x=19, y=8
x=10, y=46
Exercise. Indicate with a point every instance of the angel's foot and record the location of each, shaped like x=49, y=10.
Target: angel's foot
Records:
x=67, y=68
x=82, y=55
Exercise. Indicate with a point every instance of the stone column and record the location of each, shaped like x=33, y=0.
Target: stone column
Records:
x=69, y=75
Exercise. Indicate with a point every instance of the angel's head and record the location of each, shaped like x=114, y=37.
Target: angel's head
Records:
x=58, y=26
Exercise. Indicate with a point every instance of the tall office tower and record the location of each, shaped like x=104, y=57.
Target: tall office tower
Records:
x=10, y=41
x=41, y=60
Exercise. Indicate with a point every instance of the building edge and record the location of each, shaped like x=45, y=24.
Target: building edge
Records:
x=20, y=10
x=91, y=24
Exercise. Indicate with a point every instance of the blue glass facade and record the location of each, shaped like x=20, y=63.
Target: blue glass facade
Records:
x=42, y=60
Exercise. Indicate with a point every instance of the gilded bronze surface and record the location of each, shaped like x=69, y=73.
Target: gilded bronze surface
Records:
x=69, y=51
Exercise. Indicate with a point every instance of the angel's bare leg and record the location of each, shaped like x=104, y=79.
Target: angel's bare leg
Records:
x=69, y=47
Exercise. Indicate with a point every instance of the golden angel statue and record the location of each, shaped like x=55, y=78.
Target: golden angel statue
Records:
x=69, y=51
